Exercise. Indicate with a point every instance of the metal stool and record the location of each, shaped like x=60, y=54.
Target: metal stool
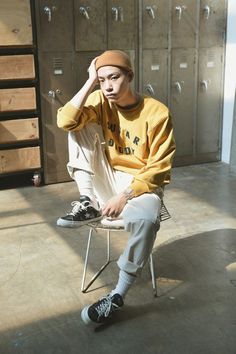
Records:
x=164, y=215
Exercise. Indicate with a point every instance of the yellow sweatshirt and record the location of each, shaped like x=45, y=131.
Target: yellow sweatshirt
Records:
x=139, y=140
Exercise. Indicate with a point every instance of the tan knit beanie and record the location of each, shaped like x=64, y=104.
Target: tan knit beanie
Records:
x=114, y=58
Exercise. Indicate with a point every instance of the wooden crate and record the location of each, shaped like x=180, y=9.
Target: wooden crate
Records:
x=17, y=99
x=15, y=24
x=15, y=67
x=18, y=130
x=19, y=159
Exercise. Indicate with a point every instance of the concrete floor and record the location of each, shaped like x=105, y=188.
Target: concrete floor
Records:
x=195, y=258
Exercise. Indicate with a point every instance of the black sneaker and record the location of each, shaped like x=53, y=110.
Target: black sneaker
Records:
x=102, y=310
x=81, y=214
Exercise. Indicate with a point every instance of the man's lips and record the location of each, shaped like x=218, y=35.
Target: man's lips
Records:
x=111, y=96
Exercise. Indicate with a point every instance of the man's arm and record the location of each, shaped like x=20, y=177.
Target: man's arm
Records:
x=80, y=98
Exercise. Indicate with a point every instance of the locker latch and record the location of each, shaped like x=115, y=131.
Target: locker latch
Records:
x=150, y=12
x=206, y=12
x=150, y=90
x=117, y=13
x=204, y=85
x=49, y=11
x=179, y=10
x=178, y=87
x=84, y=12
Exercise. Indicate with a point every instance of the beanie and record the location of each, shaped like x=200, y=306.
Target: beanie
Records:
x=114, y=58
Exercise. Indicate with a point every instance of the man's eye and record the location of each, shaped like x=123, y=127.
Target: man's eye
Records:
x=114, y=77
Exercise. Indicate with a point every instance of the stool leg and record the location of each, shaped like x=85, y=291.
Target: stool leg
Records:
x=96, y=275
x=154, y=285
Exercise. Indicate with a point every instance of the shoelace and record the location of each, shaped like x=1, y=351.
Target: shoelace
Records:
x=106, y=307
x=77, y=206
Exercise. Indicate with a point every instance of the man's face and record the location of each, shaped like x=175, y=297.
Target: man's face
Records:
x=114, y=83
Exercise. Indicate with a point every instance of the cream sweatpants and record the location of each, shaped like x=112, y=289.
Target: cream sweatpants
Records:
x=141, y=214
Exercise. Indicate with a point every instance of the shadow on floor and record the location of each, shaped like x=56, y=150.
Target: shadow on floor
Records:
x=196, y=312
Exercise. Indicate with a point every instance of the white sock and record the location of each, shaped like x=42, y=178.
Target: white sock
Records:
x=84, y=181
x=124, y=282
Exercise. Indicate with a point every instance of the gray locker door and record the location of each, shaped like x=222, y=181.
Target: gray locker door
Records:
x=57, y=87
x=155, y=24
x=82, y=62
x=122, y=24
x=55, y=22
x=183, y=99
x=184, y=23
x=209, y=107
x=155, y=73
x=90, y=25
x=212, y=23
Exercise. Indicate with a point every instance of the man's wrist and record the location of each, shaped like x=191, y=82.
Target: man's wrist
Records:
x=129, y=193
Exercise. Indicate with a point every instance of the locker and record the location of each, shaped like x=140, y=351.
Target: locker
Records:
x=15, y=160
x=184, y=23
x=183, y=98
x=122, y=24
x=13, y=67
x=15, y=23
x=90, y=25
x=209, y=100
x=155, y=73
x=55, y=22
x=212, y=26
x=82, y=62
x=155, y=24
x=17, y=99
x=19, y=130
x=57, y=87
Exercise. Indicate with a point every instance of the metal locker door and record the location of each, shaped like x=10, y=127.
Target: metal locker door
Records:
x=90, y=25
x=209, y=105
x=212, y=24
x=82, y=62
x=57, y=87
x=155, y=73
x=122, y=24
x=183, y=98
x=55, y=25
x=184, y=23
x=155, y=24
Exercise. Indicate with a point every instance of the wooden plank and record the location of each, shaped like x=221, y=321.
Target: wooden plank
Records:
x=18, y=130
x=17, y=99
x=15, y=67
x=19, y=159
x=15, y=24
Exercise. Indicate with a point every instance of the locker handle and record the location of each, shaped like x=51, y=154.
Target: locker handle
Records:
x=48, y=12
x=204, y=85
x=150, y=89
x=84, y=12
x=150, y=12
x=51, y=93
x=115, y=13
x=178, y=87
x=206, y=12
x=178, y=10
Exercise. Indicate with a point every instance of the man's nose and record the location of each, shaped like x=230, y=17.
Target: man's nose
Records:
x=108, y=86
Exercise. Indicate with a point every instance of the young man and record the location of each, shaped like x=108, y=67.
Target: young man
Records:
x=121, y=148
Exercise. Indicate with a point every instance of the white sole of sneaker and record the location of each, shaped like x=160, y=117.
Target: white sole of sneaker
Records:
x=74, y=224
x=84, y=316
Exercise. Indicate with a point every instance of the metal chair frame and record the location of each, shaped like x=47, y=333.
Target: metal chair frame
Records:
x=164, y=215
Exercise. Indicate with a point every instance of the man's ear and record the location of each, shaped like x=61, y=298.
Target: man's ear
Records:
x=130, y=75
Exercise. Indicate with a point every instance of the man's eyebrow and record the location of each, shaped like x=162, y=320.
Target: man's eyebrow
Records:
x=112, y=74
